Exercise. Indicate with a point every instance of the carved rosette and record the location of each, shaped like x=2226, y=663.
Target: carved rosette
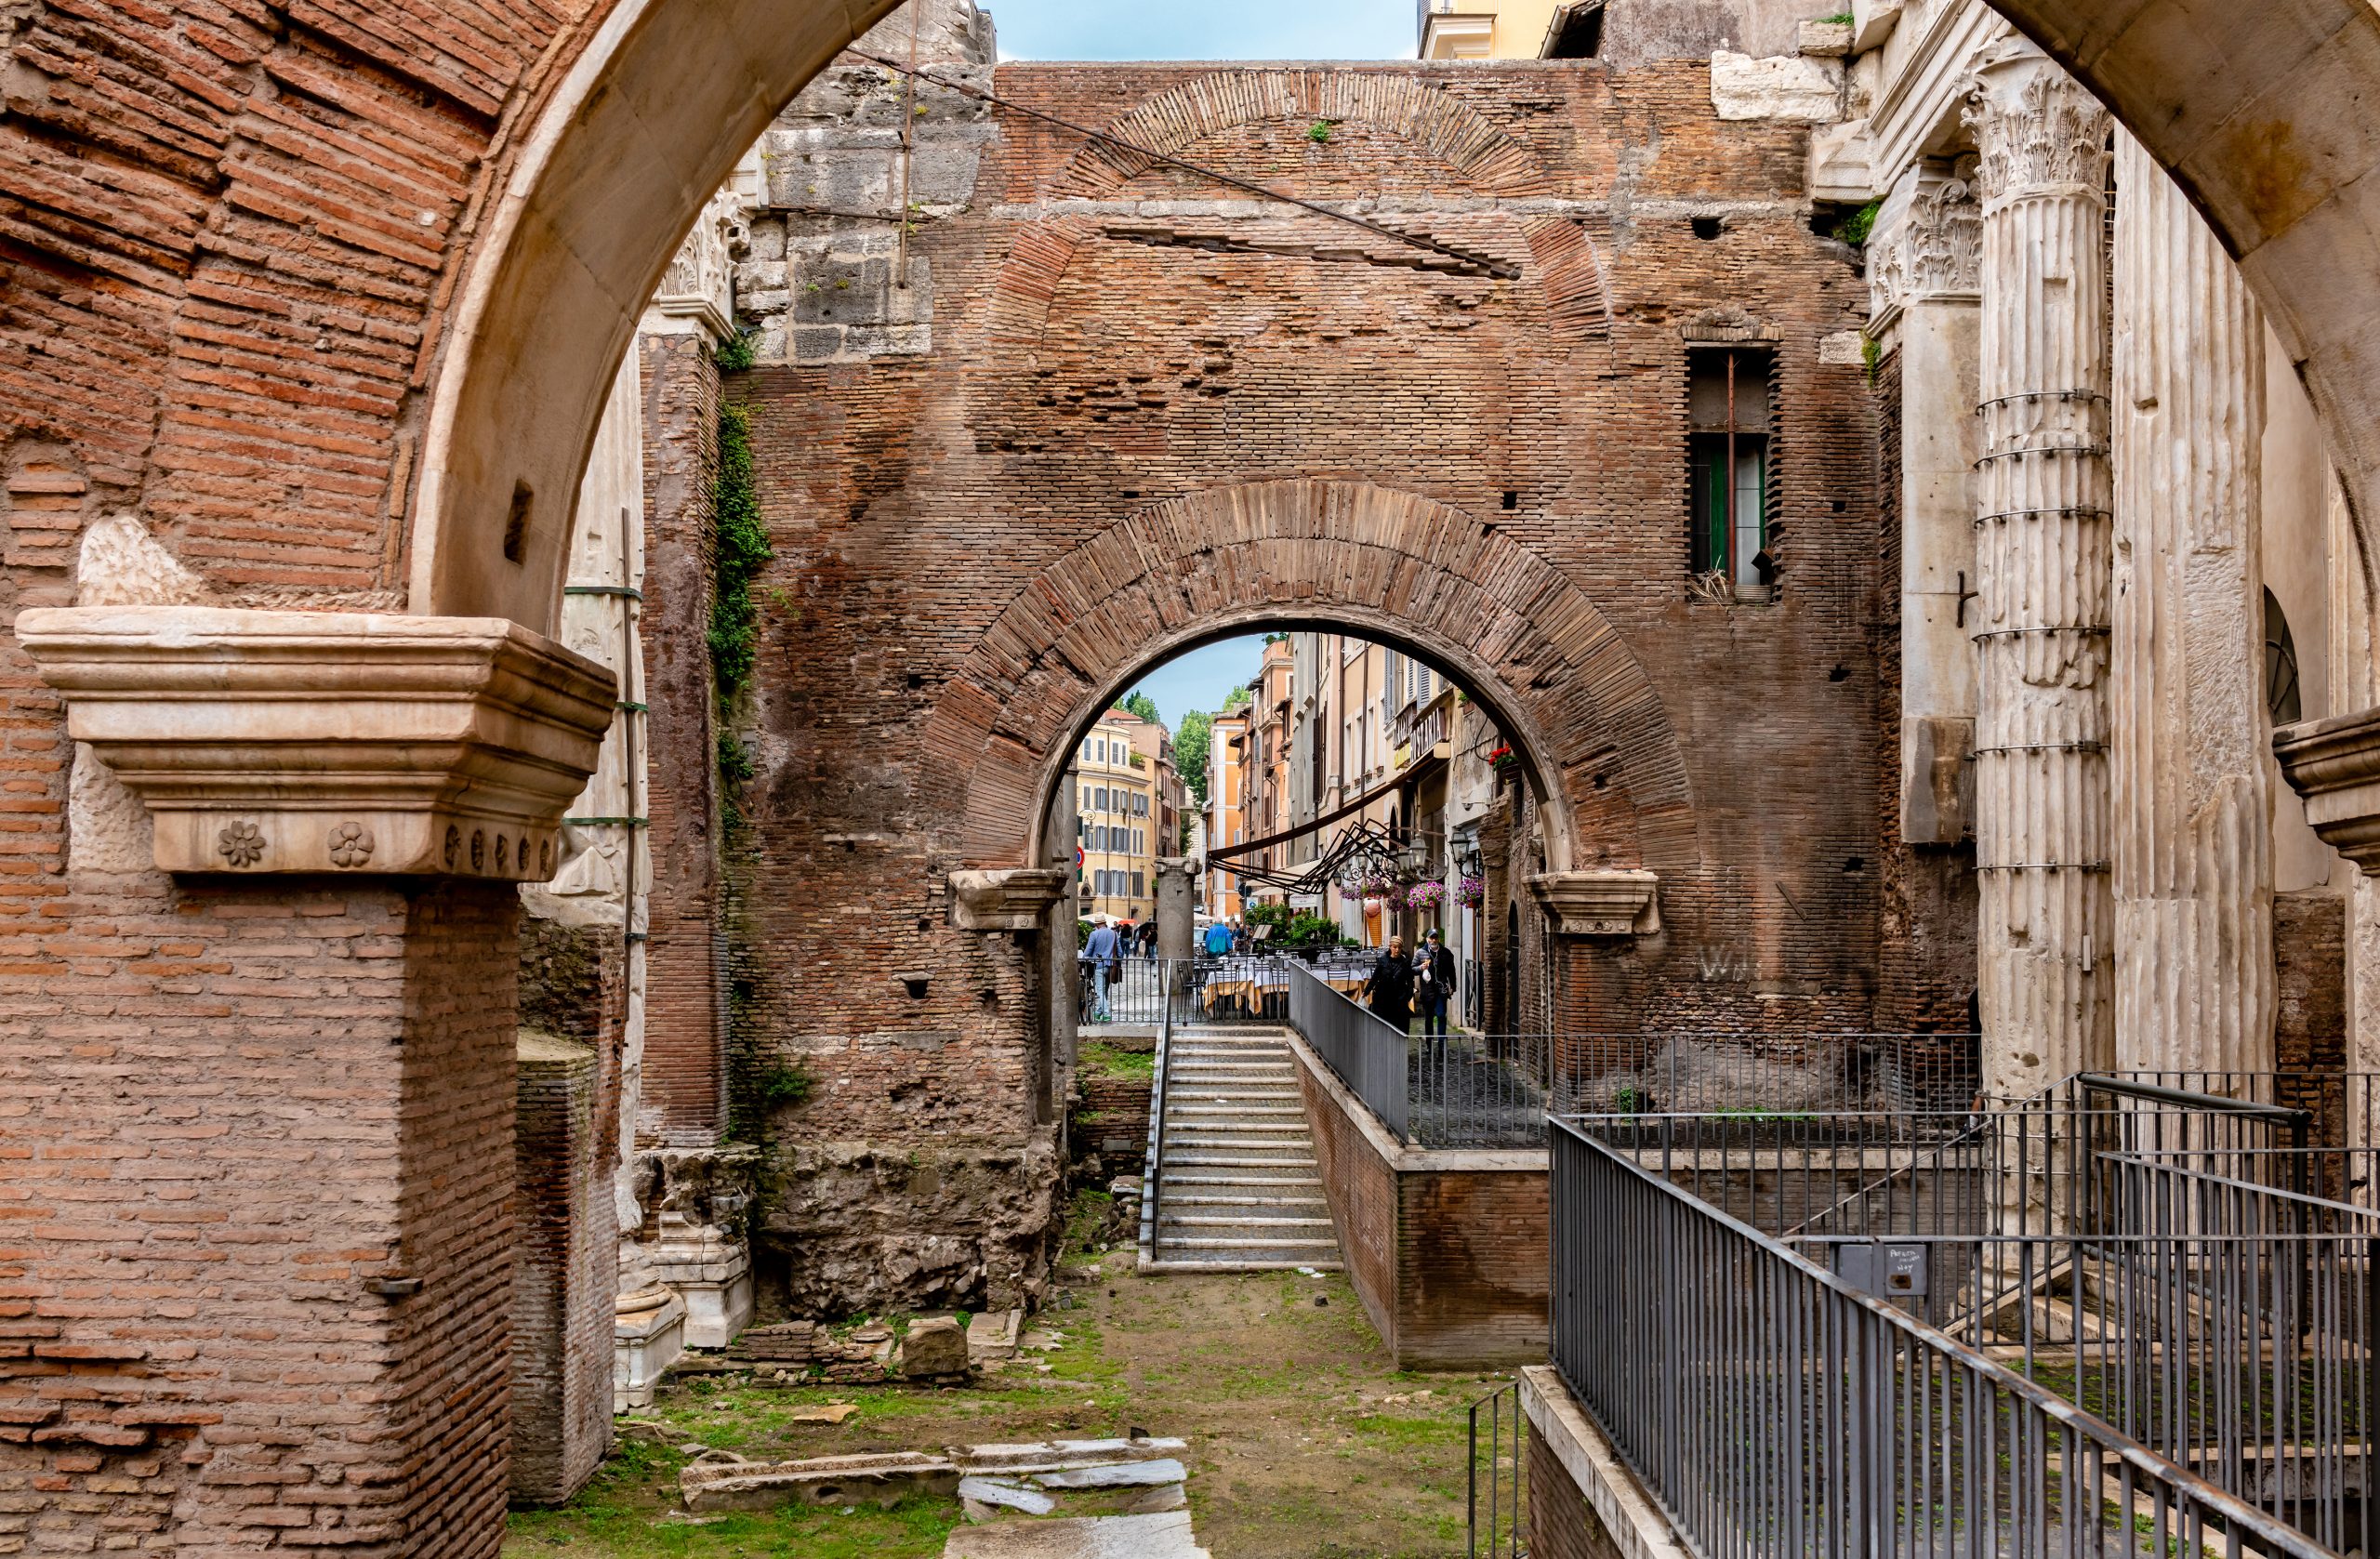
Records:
x=275, y=742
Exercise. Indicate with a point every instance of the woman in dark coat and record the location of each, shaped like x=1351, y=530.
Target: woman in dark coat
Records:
x=1390, y=987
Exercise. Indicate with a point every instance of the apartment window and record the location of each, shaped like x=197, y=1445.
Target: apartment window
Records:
x=1137, y=885
x=1728, y=422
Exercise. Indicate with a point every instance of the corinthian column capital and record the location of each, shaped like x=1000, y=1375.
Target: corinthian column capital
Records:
x=2036, y=130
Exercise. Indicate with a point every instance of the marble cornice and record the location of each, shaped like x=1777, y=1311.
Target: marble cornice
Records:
x=264, y=742
x=1603, y=902
x=2335, y=765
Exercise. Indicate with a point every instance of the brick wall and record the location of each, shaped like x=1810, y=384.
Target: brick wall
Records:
x=982, y=528
x=686, y=1021
x=1561, y=1524
x=564, y=1274
x=229, y=1106
x=1446, y=1252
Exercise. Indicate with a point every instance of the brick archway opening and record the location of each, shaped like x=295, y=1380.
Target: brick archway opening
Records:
x=1601, y=756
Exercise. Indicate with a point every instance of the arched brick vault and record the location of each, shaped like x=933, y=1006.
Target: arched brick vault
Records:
x=1560, y=260
x=1556, y=676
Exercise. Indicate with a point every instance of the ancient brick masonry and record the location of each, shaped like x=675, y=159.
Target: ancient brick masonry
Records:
x=194, y=1106
x=1133, y=408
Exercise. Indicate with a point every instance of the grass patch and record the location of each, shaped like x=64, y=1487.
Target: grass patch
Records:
x=1097, y=1059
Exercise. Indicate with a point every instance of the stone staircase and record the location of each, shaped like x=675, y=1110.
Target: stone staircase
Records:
x=1239, y=1187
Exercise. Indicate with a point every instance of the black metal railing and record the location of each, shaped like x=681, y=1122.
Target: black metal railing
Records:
x=1497, y=1466
x=1364, y=1050
x=1773, y=1406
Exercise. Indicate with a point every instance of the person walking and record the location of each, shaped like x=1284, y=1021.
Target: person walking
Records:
x=1100, y=953
x=1148, y=938
x=1390, y=987
x=1217, y=943
x=1433, y=990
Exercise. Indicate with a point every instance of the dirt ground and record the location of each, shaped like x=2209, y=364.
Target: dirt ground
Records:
x=1304, y=1444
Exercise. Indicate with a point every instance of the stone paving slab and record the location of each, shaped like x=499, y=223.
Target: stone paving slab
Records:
x=1165, y=1535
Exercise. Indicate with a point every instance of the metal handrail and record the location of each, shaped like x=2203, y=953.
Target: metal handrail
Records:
x=1153, y=1173
x=1768, y=1404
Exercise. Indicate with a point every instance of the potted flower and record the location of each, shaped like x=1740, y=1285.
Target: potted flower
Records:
x=1472, y=894
x=1505, y=760
x=1426, y=894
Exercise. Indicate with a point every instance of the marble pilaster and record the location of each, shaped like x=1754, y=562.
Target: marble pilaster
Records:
x=2193, y=875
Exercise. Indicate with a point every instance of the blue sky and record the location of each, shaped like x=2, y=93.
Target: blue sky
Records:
x=1199, y=679
x=1203, y=29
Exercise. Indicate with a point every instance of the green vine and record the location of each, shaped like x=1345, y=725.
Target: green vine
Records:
x=734, y=355
x=740, y=547
x=1854, y=229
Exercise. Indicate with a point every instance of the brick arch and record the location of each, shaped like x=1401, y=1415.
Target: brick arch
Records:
x=1528, y=642
x=1561, y=260
x=1440, y=123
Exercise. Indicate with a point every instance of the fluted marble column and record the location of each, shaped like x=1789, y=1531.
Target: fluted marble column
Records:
x=2192, y=807
x=2042, y=571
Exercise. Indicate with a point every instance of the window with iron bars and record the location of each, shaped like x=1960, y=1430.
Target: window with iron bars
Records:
x=1728, y=422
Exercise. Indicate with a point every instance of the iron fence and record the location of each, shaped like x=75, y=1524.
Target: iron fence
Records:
x=1773, y=1406
x=1364, y=1050
x=1497, y=1467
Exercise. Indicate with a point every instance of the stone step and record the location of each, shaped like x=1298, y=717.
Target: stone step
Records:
x=1268, y=1226
x=1199, y=1109
x=1229, y=1123
x=1172, y=1181
x=1327, y=1250
x=1232, y=1161
x=1213, y=1199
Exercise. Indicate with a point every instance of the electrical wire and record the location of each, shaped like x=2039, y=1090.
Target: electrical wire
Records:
x=1501, y=270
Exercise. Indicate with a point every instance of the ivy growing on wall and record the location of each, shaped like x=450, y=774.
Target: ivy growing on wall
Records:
x=739, y=549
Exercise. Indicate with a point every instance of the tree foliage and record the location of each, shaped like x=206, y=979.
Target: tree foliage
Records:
x=1190, y=747
x=1236, y=698
x=1144, y=705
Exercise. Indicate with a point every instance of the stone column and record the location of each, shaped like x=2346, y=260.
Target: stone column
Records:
x=2193, y=808
x=1177, y=903
x=2042, y=571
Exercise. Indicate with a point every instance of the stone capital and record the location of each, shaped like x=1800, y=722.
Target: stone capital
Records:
x=1928, y=241
x=2037, y=131
x=1011, y=900
x=332, y=741
x=2335, y=765
x=1600, y=903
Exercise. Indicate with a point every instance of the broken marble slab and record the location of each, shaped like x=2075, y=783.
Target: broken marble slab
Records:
x=1057, y=1456
x=1016, y=1497
x=884, y=1479
x=1165, y=1535
x=1114, y=1475
x=1165, y=1497
x=992, y=1335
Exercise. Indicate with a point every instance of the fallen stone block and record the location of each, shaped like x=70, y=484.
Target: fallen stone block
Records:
x=884, y=1479
x=1030, y=1457
x=936, y=1346
x=1016, y=1497
x=1114, y=1475
x=991, y=1336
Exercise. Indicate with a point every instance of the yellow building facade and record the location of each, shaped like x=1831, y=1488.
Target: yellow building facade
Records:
x=1117, y=818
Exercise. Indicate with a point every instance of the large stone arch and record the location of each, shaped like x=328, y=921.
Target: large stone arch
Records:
x=1553, y=672
x=2261, y=111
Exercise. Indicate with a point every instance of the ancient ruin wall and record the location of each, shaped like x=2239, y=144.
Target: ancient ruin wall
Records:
x=1057, y=368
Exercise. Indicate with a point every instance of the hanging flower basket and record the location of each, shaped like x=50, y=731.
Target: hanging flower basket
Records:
x=1505, y=758
x=1379, y=884
x=1425, y=895
x=1472, y=894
